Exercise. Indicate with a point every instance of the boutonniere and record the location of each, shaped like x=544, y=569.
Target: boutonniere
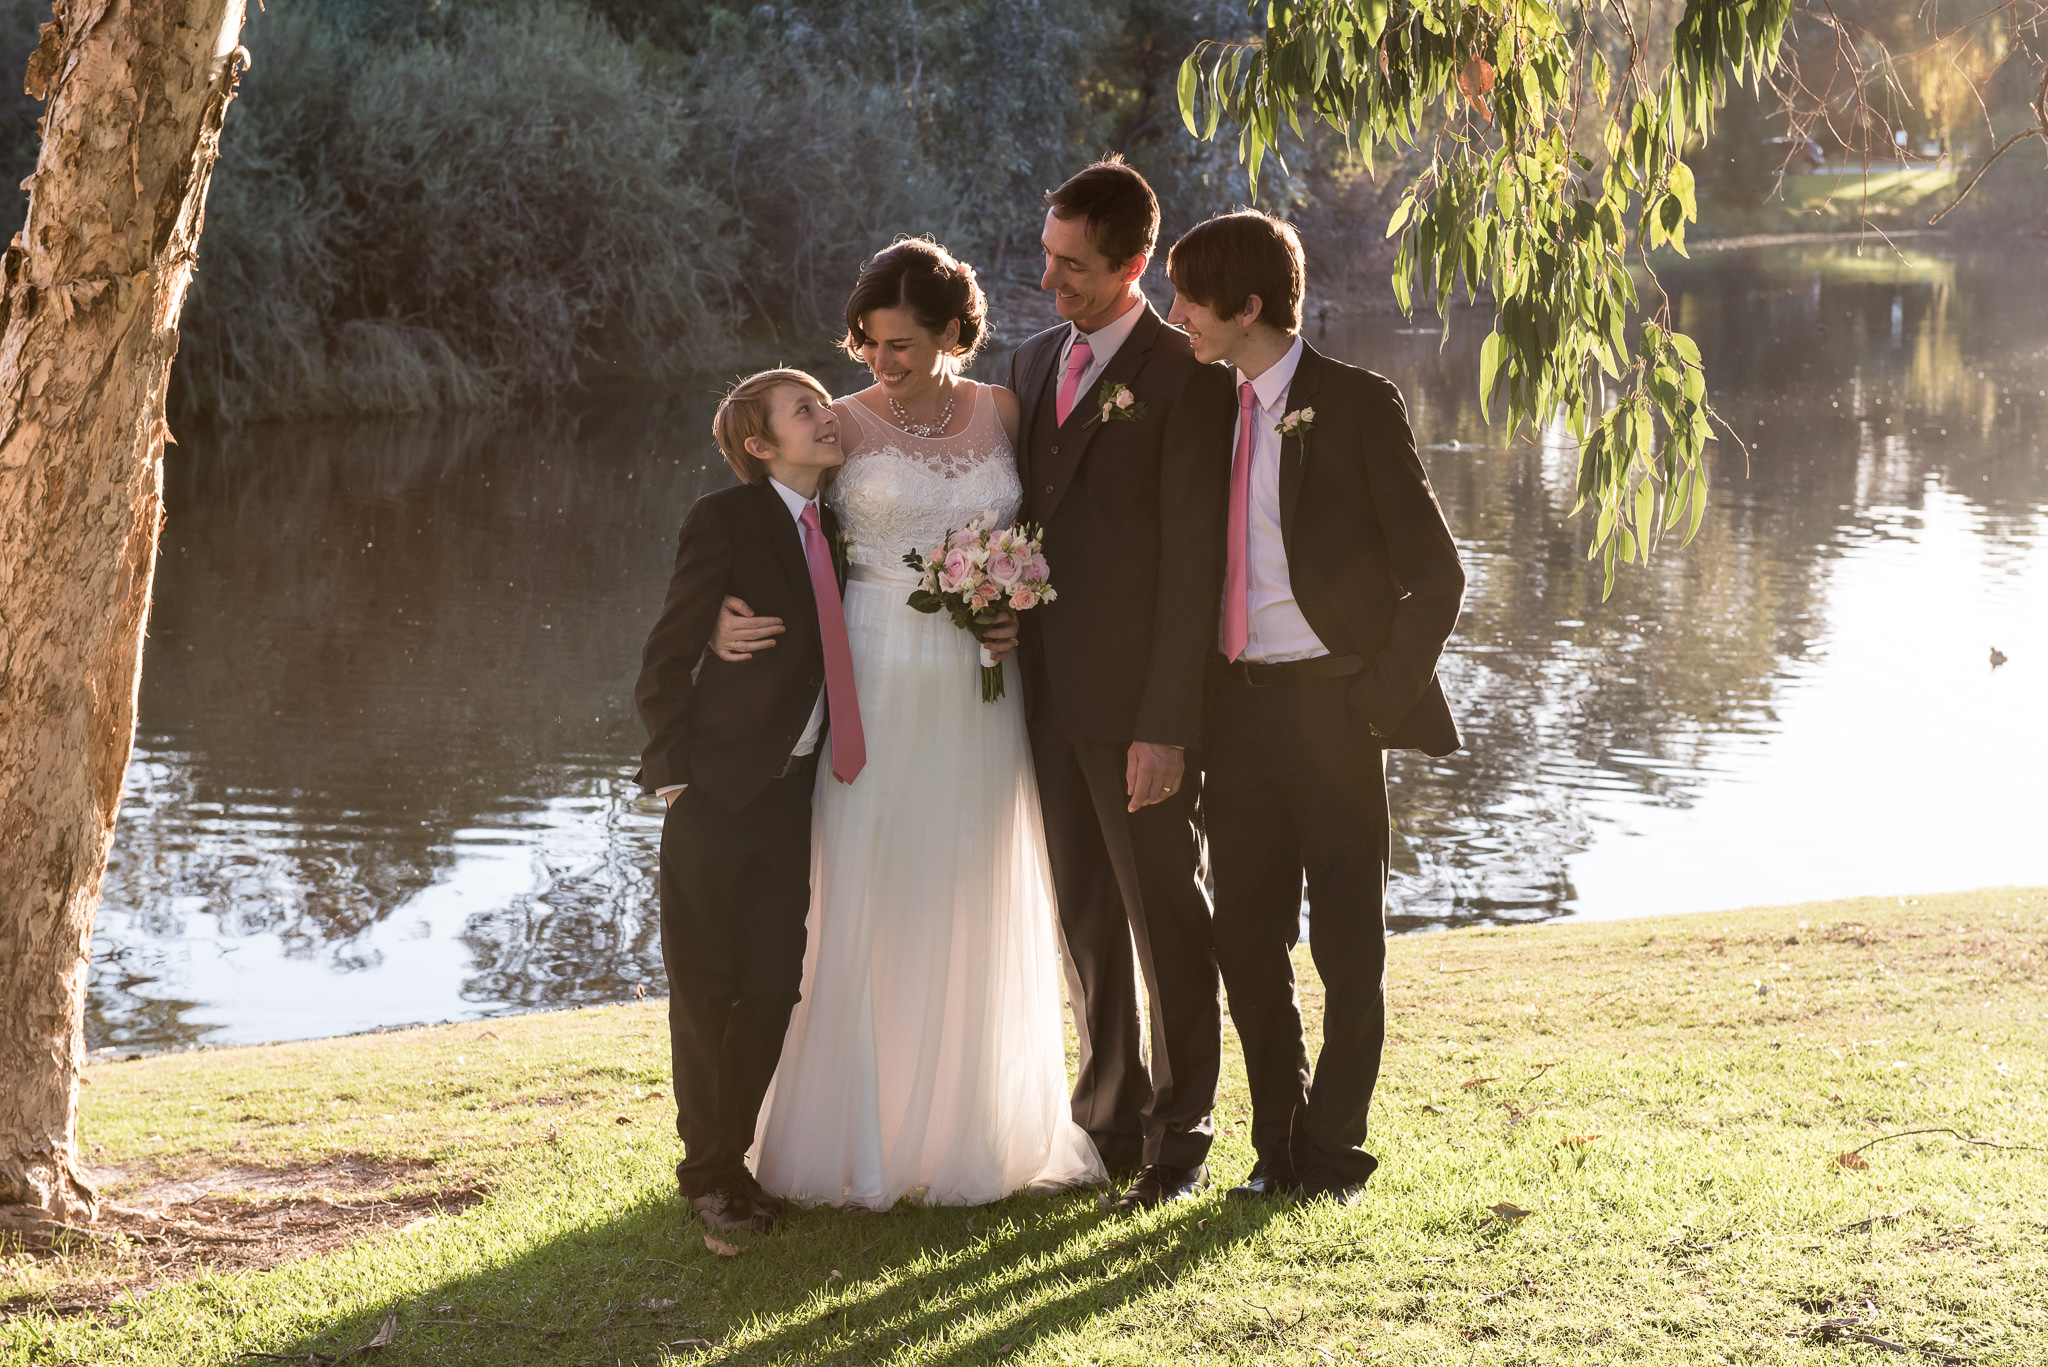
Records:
x=1297, y=423
x=842, y=550
x=1116, y=403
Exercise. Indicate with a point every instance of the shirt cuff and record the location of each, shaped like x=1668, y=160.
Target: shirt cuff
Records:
x=668, y=788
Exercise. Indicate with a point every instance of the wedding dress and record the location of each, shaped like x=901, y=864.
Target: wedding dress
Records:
x=927, y=1057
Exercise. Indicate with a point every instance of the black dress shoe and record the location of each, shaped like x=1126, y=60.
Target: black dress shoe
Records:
x=1268, y=1180
x=1320, y=1184
x=725, y=1207
x=1157, y=1184
x=750, y=1187
x=1337, y=1193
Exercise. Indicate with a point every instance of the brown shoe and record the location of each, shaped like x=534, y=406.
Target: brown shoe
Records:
x=725, y=1207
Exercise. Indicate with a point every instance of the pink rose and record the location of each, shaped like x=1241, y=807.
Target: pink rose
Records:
x=957, y=568
x=1023, y=597
x=963, y=539
x=1037, y=569
x=1005, y=567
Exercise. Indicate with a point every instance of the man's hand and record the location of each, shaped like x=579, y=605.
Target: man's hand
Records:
x=1002, y=637
x=740, y=633
x=1152, y=773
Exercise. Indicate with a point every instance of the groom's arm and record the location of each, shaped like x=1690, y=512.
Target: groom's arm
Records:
x=668, y=663
x=1194, y=492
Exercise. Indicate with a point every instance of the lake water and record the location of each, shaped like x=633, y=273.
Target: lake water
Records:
x=383, y=772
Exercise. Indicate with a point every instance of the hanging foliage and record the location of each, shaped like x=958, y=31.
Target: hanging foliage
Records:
x=1513, y=199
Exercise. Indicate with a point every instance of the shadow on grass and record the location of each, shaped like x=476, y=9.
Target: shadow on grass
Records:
x=942, y=1286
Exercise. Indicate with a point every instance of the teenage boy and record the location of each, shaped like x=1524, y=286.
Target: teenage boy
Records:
x=1341, y=585
x=734, y=751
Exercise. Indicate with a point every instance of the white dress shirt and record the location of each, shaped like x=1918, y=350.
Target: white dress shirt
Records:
x=1277, y=630
x=796, y=503
x=1103, y=343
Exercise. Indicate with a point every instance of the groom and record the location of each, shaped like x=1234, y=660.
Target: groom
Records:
x=1122, y=446
x=1341, y=585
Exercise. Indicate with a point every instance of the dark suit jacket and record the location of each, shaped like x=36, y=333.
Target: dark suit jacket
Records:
x=1372, y=563
x=728, y=728
x=1133, y=516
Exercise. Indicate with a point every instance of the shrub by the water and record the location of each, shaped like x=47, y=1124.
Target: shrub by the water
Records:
x=428, y=204
x=425, y=206
x=407, y=225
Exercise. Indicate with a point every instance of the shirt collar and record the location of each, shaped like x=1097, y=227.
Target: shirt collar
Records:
x=794, y=501
x=1271, y=387
x=1105, y=340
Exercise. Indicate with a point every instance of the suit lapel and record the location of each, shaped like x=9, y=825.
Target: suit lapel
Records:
x=788, y=540
x=1084, y=424
x=1294, y=449
x=1038, y=370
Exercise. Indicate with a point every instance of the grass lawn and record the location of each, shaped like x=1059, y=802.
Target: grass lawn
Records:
x=1668, y=1100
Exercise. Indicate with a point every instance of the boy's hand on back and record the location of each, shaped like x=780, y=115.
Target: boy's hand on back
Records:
x=740, y=633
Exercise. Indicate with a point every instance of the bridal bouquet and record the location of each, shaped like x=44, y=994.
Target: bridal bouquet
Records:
x=974, y=574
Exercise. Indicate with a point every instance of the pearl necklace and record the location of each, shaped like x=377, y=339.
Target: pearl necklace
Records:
x=924, y=429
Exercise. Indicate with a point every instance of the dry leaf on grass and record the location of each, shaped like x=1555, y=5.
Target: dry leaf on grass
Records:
x=623, y=1120
x=1471, y=1082
x=721, y=1247
x=1575, y=1140
x=1507, y=1212
x=1430, y=1109
x=1855, y=1162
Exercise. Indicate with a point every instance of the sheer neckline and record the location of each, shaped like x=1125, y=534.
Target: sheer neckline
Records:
x=975, y=391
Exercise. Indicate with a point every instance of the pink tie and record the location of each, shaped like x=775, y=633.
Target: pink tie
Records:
x=1079, y=358
x=849, y=746
x=1237, y=631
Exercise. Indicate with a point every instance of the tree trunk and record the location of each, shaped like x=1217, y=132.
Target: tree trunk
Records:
x=90, y=293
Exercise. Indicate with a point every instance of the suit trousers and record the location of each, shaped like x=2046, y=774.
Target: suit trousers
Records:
x=735, y=893
x=1130, y=882
x=1295, y=794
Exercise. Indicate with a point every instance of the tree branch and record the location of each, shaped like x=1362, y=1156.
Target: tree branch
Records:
x=2039, y=130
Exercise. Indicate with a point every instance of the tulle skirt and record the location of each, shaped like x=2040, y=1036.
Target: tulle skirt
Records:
x=927, y=1058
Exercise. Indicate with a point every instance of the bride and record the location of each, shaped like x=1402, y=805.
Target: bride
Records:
x=927, y=1057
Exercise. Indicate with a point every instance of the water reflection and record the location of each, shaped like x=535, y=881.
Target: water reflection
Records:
x=1861, y=384
x=383, y=771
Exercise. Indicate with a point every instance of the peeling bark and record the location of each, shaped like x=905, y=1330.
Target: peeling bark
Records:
x=90, y=292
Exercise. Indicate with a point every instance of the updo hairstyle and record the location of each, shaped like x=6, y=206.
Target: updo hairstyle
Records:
x=919, y=276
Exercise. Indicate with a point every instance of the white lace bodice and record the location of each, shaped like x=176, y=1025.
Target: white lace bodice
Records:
x=899, y=493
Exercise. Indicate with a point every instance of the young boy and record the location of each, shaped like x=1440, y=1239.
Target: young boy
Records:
x=734, y=751
x=1341, y=585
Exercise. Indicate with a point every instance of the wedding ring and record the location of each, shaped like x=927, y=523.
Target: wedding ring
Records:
x=1169, y=790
